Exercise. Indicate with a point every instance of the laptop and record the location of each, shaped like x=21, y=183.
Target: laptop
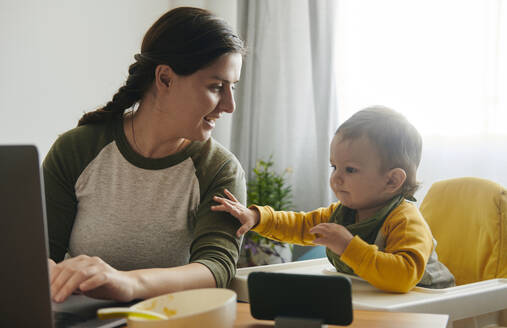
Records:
x=24, y=280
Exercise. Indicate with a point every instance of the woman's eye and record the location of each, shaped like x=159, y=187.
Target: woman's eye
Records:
x=333, y=167
x=216, y=88
x=349, y=169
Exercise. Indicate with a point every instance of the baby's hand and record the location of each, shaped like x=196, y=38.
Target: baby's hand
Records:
x=248, y=218
x=334, y=236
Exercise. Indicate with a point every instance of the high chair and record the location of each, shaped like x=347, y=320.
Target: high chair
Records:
x=468, y=218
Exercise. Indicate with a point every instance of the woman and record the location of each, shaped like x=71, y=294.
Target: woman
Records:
x=128, y=191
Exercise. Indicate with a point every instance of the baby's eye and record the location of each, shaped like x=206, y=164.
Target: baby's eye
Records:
x=349, y=169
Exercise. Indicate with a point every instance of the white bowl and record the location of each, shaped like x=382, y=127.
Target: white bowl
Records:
x=206, y=307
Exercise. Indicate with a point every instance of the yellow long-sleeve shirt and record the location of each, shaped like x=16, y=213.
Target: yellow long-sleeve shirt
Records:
x=396, y=262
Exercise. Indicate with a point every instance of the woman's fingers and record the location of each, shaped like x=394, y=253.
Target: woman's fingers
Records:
x=90, y=275
x=72, y=284
x=94, y=282
x=67, y=282
x=51, y=265
x=67, y=276
x=58, y=285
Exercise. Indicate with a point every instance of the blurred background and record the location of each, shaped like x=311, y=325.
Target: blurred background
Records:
x=311, y=64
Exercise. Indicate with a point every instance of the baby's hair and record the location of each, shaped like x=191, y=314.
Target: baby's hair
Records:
x=398, y=142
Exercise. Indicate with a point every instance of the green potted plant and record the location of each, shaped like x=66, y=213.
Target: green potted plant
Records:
x=266, y=188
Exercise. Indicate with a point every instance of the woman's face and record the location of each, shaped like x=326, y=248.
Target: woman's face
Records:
x=198, y=100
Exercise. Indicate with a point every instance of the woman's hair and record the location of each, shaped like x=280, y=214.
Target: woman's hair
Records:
x=187, y=39
x=398, y=142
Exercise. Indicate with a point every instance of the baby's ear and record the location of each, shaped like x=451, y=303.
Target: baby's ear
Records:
x=395, y=179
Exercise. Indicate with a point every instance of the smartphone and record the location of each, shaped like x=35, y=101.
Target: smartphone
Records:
x=326, y=298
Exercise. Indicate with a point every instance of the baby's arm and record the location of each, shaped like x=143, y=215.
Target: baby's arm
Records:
x=285, y=226
x=401, y=265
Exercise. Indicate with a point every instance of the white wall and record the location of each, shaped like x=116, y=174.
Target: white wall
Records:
x=60, y=58
x=223, y=8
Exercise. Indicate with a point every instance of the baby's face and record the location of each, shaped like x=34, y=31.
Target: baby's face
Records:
x=356, y=177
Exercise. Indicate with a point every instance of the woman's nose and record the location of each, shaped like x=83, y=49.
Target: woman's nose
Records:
x=227, y=103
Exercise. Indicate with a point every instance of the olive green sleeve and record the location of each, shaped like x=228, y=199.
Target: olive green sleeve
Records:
x=215, y=243
x=61, y=201
x=62, y=166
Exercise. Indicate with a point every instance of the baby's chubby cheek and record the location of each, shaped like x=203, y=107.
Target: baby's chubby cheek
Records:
x=334, y=187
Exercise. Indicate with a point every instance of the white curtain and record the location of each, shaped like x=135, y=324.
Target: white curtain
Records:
x=441, y=63
x=286, y=100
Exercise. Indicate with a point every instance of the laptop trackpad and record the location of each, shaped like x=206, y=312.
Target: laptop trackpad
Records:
x=81, y=311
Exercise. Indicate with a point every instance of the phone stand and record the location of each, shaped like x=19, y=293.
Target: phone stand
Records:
x=292, y=322
x=300, y=300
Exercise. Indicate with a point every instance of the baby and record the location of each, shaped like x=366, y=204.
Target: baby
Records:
x=373, y=231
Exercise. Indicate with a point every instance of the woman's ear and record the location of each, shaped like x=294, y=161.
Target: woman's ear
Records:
x=164, y=76
x=395, y=179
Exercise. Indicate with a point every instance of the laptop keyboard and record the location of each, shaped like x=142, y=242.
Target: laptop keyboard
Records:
x=65, y=319
x=71, y=320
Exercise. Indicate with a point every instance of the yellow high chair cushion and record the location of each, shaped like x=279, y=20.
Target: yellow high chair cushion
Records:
x=468, y=218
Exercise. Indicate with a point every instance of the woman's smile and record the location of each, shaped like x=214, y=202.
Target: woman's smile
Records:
x=210, y=120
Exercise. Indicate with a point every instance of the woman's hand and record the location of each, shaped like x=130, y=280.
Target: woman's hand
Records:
x=51, y=265
x=90, y=276
x=334, y=236
x=248, y=218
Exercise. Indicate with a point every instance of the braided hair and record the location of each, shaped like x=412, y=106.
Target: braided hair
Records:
x=185, y=38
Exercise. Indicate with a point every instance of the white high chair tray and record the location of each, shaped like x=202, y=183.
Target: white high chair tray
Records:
x=459, y=302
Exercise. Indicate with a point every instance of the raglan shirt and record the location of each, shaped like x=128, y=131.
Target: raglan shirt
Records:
x=402, y=256
x=105, y=200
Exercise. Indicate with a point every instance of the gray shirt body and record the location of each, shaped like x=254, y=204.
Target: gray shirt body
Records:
x=105, y=200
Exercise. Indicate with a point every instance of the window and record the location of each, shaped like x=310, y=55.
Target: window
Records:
x=443, y=64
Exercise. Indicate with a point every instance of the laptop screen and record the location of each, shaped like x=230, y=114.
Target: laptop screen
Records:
x=25, y=286
x=26, y=300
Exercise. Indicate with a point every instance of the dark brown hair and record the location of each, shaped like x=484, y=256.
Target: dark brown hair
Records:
x=185, y=38
x=398, y=142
